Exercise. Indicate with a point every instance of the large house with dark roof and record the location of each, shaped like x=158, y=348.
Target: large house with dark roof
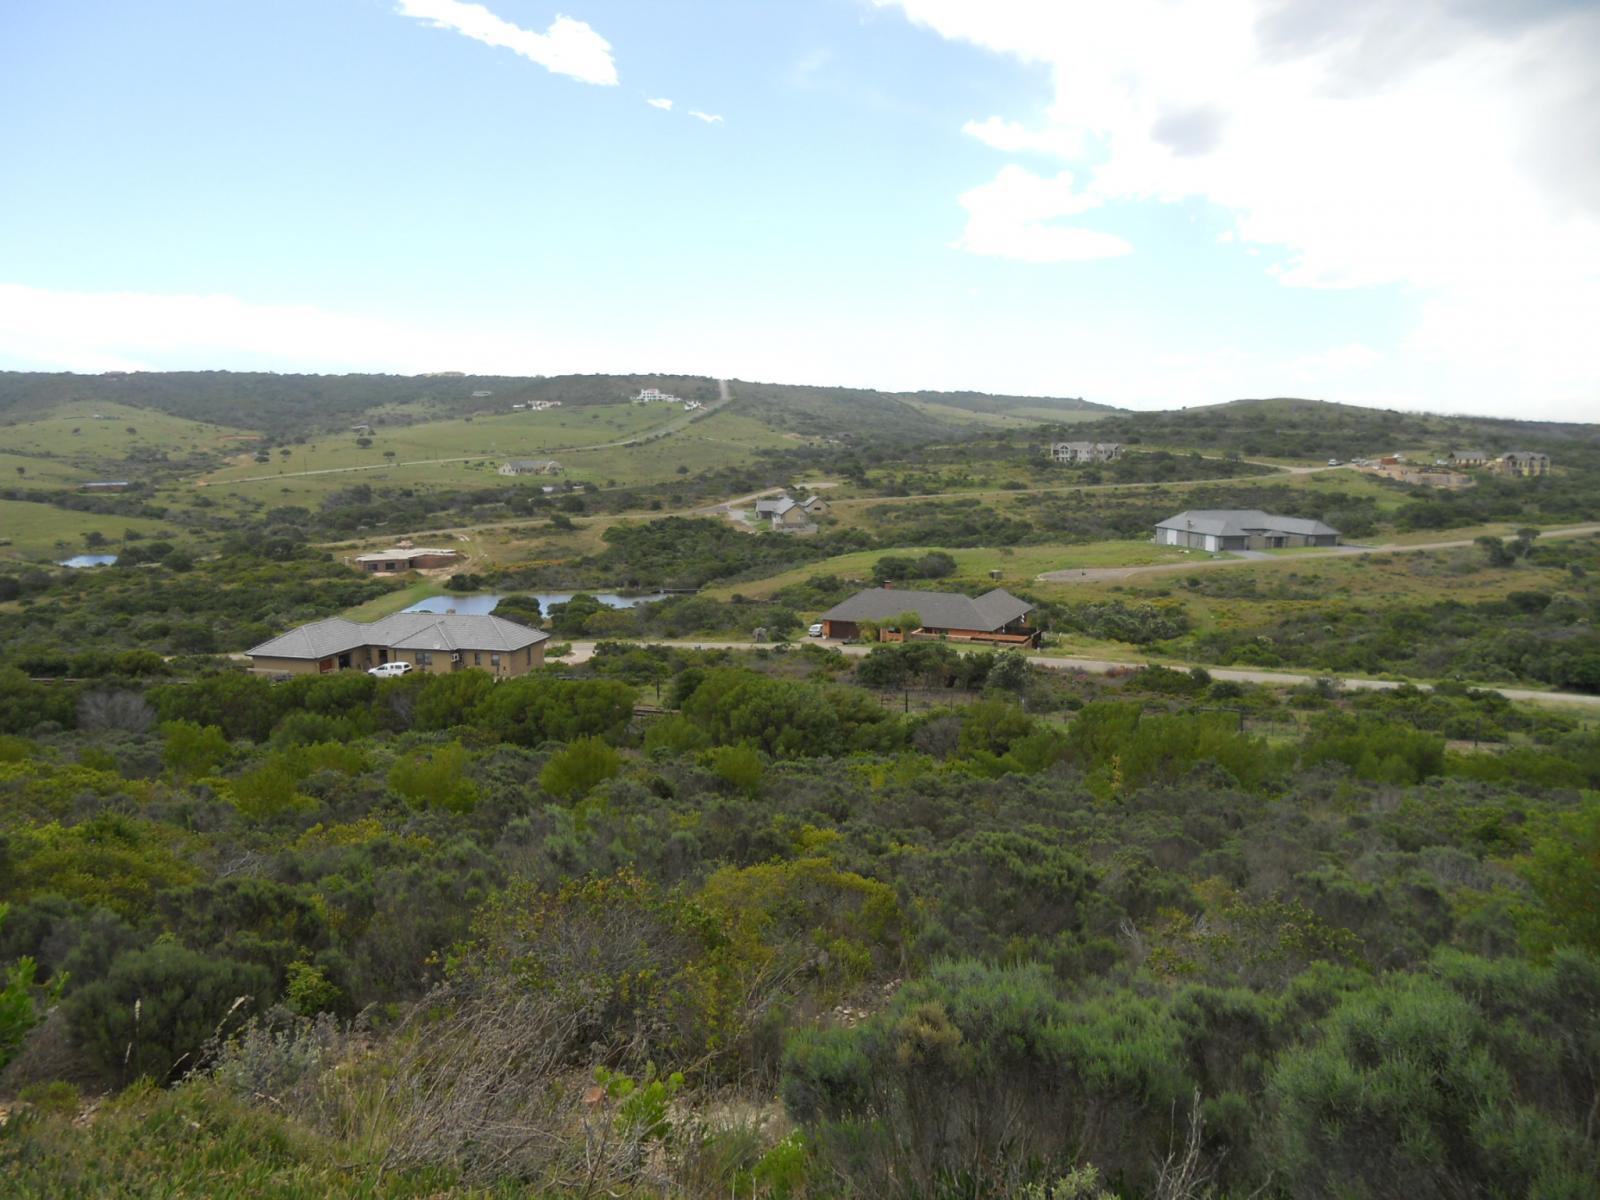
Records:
x=996, y=617
x=428, y=641
x=1242, y=529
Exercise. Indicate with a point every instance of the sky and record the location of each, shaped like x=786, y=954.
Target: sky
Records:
x=1149, y=203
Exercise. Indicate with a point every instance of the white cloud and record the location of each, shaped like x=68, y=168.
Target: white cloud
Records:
x=1013, y=138
x=1443, y=146
x=708, y=118
x=662, y=102
x=568, y=47
x=135, y=331
x=1016, y=215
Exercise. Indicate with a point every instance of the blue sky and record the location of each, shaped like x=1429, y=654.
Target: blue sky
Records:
x=1164, y=205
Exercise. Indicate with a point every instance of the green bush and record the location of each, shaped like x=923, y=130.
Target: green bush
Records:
x=157, y=1007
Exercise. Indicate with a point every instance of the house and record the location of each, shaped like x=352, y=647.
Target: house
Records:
x=815, y=506
x=541, y=405
x=480, y=394
x=651, y=395
x=996, y=617
x=1466, y=458
x=1078, y=453
x=105, y=485
x=785, y=514
x=530, y=466
x=428, y=641
x=1524, y=463
x=692, y=405
x=1242, y=529
x=405, y=558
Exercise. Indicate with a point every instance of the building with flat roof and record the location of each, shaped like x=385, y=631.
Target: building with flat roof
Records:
x=421, y=558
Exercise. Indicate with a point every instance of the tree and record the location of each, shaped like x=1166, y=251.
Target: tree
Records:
x=190, y=749
x=436, y=778
x=575, y=771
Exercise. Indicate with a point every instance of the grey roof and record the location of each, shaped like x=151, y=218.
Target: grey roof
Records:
x=1468, y=454
x=1238, y=522
x=1525, y=454
x=531, y=464
x=938, y=610
x=1087, y=445
x=401, y=631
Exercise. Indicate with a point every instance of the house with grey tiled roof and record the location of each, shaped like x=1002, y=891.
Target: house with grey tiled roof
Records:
x=1242, y=529
x=430, y=642
x=996, y=617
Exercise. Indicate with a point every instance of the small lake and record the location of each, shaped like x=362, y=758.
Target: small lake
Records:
x=478, y=603
x=88, y=560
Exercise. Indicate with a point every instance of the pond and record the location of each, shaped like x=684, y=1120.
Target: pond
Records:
x=88, y=560
x=476, y=603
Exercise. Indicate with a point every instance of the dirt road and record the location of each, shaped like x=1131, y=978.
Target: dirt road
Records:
x=1113, y=574
x=582, y=652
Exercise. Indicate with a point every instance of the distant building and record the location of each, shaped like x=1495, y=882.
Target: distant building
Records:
x=385, y=562
x=1466, y=458
x=429, y=642
x=530, y=466
x=1078, y=453
x=105, y=485
x=787, y=514
x=652, y=395
x=996, y=617
x=479, y=395
x=1242, y=529
x=1523, y=463
x=541, y=405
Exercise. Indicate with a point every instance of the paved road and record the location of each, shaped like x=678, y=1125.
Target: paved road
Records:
x=1109, y=574
x=671, y=427
x=582, y=652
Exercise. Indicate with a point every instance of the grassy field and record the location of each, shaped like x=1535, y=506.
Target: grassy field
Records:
x=75, y=433
x=42, y=532
x=41, y=472
x=497, y=437
x=1017, y=565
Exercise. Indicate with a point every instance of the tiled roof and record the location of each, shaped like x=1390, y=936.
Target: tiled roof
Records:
x=401, y=631
x=1238, y=522
x=937, y=610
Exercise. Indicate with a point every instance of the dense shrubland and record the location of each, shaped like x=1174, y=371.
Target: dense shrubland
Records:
x=411, y=936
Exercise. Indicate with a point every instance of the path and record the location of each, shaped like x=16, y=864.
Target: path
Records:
x=1109, y=574
x=582, y=652
x=724, y=396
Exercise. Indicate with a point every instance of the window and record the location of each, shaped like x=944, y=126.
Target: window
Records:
x=494, y=661
x=477, y=658
x=424, y=658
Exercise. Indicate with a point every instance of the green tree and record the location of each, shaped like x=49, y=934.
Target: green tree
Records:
x=436, y=778
x=190, y=750
x=576, y=770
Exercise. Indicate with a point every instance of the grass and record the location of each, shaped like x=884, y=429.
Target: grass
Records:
x=497, y=437
x=41, y=472
x=393, y=602
x=72, y=433
x=45, y=532
x=1018, y=566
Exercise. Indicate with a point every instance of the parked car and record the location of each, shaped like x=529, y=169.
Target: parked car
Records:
x=1334, y=462
x=815, y=630
x=390, y=670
